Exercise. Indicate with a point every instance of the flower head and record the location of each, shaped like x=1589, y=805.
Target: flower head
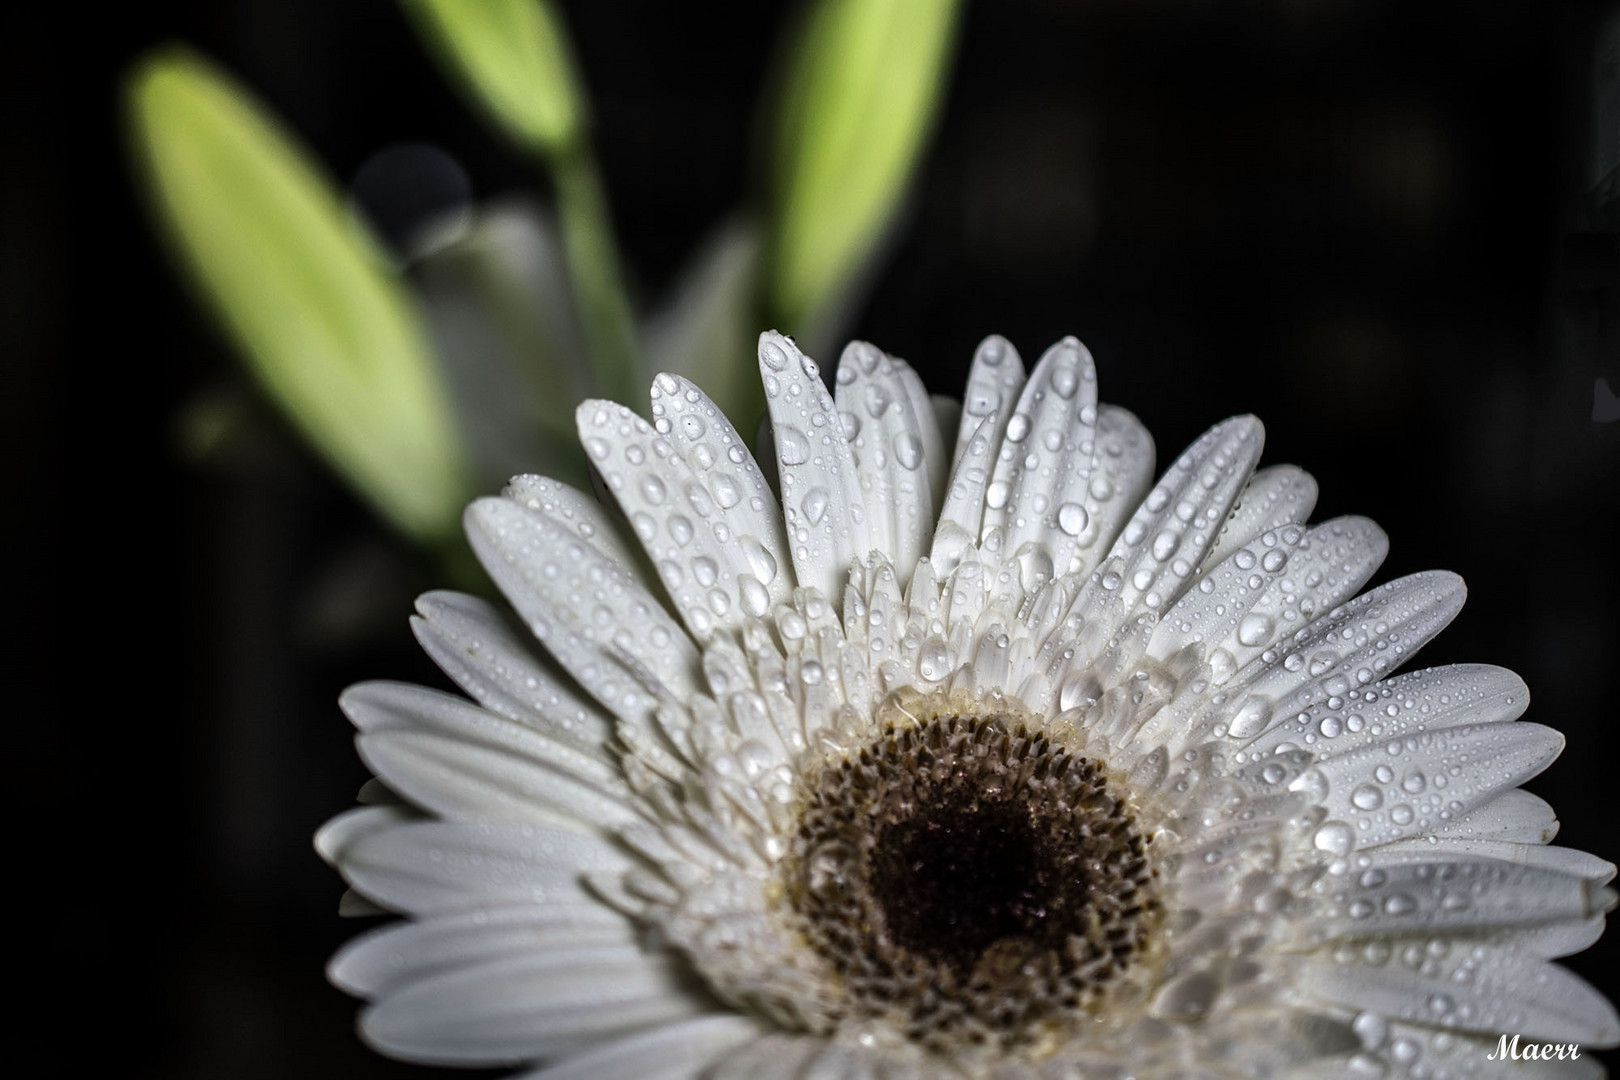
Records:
x=976, y=754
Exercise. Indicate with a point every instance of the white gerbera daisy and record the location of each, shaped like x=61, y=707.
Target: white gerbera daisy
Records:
x=976, y=759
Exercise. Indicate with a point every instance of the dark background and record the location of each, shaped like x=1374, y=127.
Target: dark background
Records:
x=1369, y=223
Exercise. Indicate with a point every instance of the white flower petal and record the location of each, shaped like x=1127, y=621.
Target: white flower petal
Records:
x=576, y=509
x=714, y=449
x=1448, y=896
x=471, y=643
x=1268, y=588
x=773, y=1057
x=528, y=1006
x=709, y=573
x=1176, y=525
x=1404, y=705
x=1121, y=477
x=433, y=867
x=599, y=622
x=1417, y=784
x=1275, y=496
x=1513, y=817
x=963, y=512
x=821, y=490
x=1352, y=646
x=892, y=436
x=1561, y=859
x=1044, y=467
x=467, y=781
x=1555, y=940
x=679, y=1051
x=994, y=382
x=386, y=959
x=1471, y=987
x=339, y=834
x=395, y=708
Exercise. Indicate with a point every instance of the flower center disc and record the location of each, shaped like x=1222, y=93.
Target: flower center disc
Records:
x=971, y=881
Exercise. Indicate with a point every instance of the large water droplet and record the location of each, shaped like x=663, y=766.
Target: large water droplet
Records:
x=792, y=448
x=1072, y=518
x=1335, y=838
x=1254, y=630
x=774, y=357
x=726, y=490
x=1065, y=381
x=1252, y=719
x=814, y=505
x=933, y=663
x=908, y=450
x=1367, y=797
x=1018, y=428
x=877, y=399
x=762, y=562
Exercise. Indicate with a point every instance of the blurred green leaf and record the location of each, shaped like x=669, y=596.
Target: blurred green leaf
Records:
x=513, y=58
x=593, y=272
x=302, y=288
x=707, y=331
x=861, y=90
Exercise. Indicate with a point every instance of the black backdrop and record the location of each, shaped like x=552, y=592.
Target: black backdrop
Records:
x=1365, y=222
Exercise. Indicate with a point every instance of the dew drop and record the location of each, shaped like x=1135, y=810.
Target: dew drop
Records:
x=1335, y=838
x=908, y=450
x=755, y=600
x=1367, y=797
x=1065, y=381
x=726, y=491
x=814, y=505
x=1254, y=630
x=792, y=448
x=1072, y=518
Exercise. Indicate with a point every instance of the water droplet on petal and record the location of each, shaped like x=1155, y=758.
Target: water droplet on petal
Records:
x=792, y=448
x=814, y=505
x=1254, y=630
x=908, y=450
x=1335, y=838
x=1367, y=797
x=1072, y=518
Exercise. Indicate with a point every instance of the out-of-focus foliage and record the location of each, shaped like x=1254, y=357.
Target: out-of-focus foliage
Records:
x=331, y=332
x=526, y=311
x=513, y=58
x=861, y=91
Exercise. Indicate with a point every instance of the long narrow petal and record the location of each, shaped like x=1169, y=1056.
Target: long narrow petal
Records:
x=821, y=490
x=527, y=1006
x=683, y=1050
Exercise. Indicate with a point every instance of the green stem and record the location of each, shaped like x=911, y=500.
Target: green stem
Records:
x=593, y=269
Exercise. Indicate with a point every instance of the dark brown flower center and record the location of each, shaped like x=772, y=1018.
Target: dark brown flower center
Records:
x=971, y=881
